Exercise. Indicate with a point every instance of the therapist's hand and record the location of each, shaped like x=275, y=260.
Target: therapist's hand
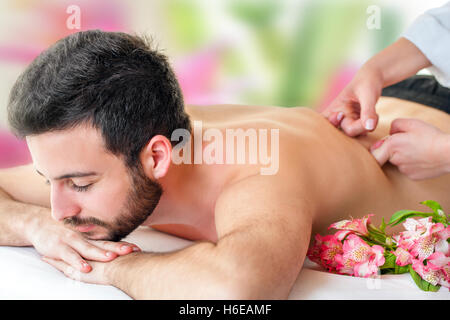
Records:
x=419, y=150
x=353, y=110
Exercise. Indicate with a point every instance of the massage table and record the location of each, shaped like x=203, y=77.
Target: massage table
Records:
x=23, y=275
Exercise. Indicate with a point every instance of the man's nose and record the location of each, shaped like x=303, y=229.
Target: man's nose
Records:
x=62, y=205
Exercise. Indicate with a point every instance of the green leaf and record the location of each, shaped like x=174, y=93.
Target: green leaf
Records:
x=417, y=279
x=389, y=261
x=400, y=270
x=433, y=205
x=402, y=215
x=387, y=271
x=439, y=215
x=422, y=284
x=434, y=288
x=383, y=225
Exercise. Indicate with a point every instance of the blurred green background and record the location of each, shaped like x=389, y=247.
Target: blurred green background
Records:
x=259, y=52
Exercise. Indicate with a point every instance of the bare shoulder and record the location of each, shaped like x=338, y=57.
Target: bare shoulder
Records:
x=277, y=204
x=265, y=226
x=25, y=185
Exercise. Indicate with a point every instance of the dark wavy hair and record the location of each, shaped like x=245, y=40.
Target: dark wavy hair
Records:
x=113, y=81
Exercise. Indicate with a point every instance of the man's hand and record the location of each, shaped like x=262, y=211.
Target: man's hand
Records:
x=419, y=150
x=55, y=241
x=96, y=276
x=354, y=108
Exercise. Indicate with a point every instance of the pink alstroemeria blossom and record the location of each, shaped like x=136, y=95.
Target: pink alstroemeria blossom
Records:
x=324, y=251
x=429, y=274
x=414, y=230
x=359, y=256
x=314, y=252
x=370, y=267
x=435, y=237
x=358, y=226
x=330, y=247
x=439, y=261
x=403, y=257
x=341, y=234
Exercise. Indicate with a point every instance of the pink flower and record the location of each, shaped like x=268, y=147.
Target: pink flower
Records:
x=435, y=237
x=341, y=234
x=370, y=267
x=414, y=230
x=403, y=257
x=430, y=274
x=324, y=251
x=359, y=258
x=358, y=226
x=314, y=252
x=331, y=246
x=344, y=266
x=439, y=261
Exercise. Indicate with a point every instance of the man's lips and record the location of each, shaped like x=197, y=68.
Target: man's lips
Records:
x=85, y=228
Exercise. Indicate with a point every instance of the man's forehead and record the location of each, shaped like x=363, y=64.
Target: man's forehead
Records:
x=75, y=174
x=73, y=151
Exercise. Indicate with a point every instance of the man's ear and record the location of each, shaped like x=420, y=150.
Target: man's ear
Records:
x=156, y=157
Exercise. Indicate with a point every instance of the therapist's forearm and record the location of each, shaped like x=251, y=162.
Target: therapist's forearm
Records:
x=192, y=273
x=397, y=62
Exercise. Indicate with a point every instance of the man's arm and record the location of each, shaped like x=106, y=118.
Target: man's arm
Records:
x=263, y=226
x=25, y=220
x=23, y=197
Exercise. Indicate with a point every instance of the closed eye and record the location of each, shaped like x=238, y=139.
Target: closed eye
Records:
x=74, y=186
x=79, y=188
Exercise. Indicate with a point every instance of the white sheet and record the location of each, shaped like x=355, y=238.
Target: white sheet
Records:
x=24, y=276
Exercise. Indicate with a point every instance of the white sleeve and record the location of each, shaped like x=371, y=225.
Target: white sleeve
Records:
x=430, y=32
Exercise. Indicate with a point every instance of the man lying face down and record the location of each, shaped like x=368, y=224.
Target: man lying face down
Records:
x=102, y=112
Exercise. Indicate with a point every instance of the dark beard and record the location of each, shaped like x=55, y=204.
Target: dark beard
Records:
x=141, y=201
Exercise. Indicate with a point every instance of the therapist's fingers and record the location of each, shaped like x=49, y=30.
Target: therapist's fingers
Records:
x=404, y=125
x=381, y=150
x=336, y=117
x=367, y=100
x=352, y=127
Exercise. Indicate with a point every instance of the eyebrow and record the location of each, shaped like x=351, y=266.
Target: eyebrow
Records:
x=72, y=175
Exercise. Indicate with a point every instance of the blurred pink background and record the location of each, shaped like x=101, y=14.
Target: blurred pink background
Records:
x=267, y=52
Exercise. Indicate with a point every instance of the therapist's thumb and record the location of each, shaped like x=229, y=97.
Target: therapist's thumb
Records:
x=381, y=150
x=368, y=116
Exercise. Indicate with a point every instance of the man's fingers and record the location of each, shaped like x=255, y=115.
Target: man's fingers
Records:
x=119, y=248
x=92, y=252
x=65, y=268
x=74, y=259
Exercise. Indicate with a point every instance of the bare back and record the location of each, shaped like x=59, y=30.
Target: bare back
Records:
x=345, y=178
x=340, y=174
